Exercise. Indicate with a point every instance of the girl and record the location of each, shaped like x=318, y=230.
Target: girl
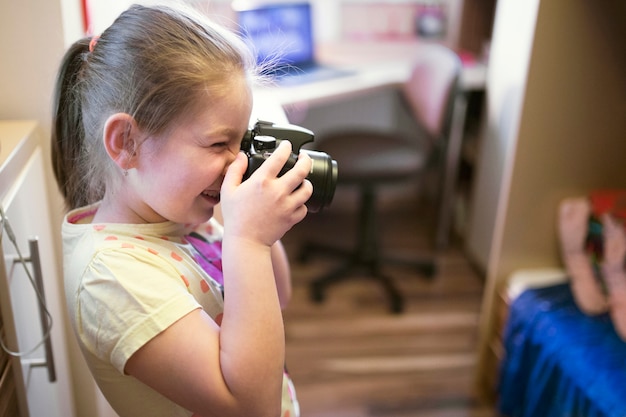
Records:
x=148, y=123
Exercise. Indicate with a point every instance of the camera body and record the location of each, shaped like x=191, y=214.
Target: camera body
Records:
x=260, y=141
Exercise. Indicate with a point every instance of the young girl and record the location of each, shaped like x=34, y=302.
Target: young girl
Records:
x=149, y=119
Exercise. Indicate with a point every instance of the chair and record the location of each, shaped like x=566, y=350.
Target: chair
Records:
x=371, y=160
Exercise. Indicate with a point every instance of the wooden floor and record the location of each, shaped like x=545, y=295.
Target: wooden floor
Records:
x=350, y=357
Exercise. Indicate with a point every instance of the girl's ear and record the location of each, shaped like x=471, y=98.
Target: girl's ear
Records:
x=120, y=136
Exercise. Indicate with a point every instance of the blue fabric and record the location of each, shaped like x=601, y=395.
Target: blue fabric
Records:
x=560, y=362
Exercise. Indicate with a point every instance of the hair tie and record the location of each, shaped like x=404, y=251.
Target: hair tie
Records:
x=93, y=42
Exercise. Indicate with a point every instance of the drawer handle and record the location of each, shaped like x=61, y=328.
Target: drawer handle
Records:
x=34, y=259
x=45, y=317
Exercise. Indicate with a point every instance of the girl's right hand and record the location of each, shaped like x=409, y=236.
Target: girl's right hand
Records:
x=264, y=207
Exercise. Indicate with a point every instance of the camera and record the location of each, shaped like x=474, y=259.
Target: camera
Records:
x=260, y=141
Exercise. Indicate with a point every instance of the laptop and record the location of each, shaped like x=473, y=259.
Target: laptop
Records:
x=282, y=34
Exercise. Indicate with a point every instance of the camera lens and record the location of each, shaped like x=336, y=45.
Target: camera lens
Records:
x=323, y=176
x=258, y=143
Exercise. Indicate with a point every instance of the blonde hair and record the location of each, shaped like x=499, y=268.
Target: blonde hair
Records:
x=152, y=63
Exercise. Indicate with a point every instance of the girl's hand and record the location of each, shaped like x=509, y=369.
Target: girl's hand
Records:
x=264, y=207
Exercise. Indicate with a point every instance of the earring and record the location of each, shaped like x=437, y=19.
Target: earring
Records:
x=126, y=173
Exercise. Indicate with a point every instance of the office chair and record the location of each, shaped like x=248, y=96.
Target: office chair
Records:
x=371, y=160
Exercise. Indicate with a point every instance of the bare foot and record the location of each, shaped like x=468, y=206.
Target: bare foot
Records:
x=613, y=271
x=573, y=224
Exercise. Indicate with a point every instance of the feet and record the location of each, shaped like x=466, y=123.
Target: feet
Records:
x=613, y=271
x=573, y=224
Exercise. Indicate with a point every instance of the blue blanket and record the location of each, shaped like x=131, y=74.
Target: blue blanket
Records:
x=560, y=362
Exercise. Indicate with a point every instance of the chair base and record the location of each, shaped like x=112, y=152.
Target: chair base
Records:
x=365, y=256
x=370, y=265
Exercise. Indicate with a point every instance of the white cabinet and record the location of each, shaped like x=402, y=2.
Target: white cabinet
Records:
x=41, y=391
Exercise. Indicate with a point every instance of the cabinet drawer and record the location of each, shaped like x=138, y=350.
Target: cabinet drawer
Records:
x=40, y=375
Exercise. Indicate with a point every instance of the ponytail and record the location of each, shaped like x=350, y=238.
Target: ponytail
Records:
x=67, y=127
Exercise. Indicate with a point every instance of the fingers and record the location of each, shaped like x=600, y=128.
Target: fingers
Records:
x=298, y=189
x=277, y=160
x=236, y=170
x=294, y=178
x=297, y=175
x=281, y=197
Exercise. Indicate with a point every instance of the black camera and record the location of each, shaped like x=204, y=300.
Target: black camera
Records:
x=260, y=141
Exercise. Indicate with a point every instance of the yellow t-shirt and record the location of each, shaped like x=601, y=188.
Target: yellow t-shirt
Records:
x=124, y=284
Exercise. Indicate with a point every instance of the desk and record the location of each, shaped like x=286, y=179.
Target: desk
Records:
x=377, y=66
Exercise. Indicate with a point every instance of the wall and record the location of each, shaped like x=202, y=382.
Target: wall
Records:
x=378, y=18
x=511, y=48
x=561, y=134
x=33, y=37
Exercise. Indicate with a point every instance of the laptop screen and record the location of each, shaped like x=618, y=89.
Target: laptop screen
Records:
x=279, y=32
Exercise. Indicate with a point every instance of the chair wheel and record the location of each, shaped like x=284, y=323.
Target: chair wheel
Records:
x=303, y=257
x=429, y=270
x=317, y=293
x=305, y=253
x=397, y=306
